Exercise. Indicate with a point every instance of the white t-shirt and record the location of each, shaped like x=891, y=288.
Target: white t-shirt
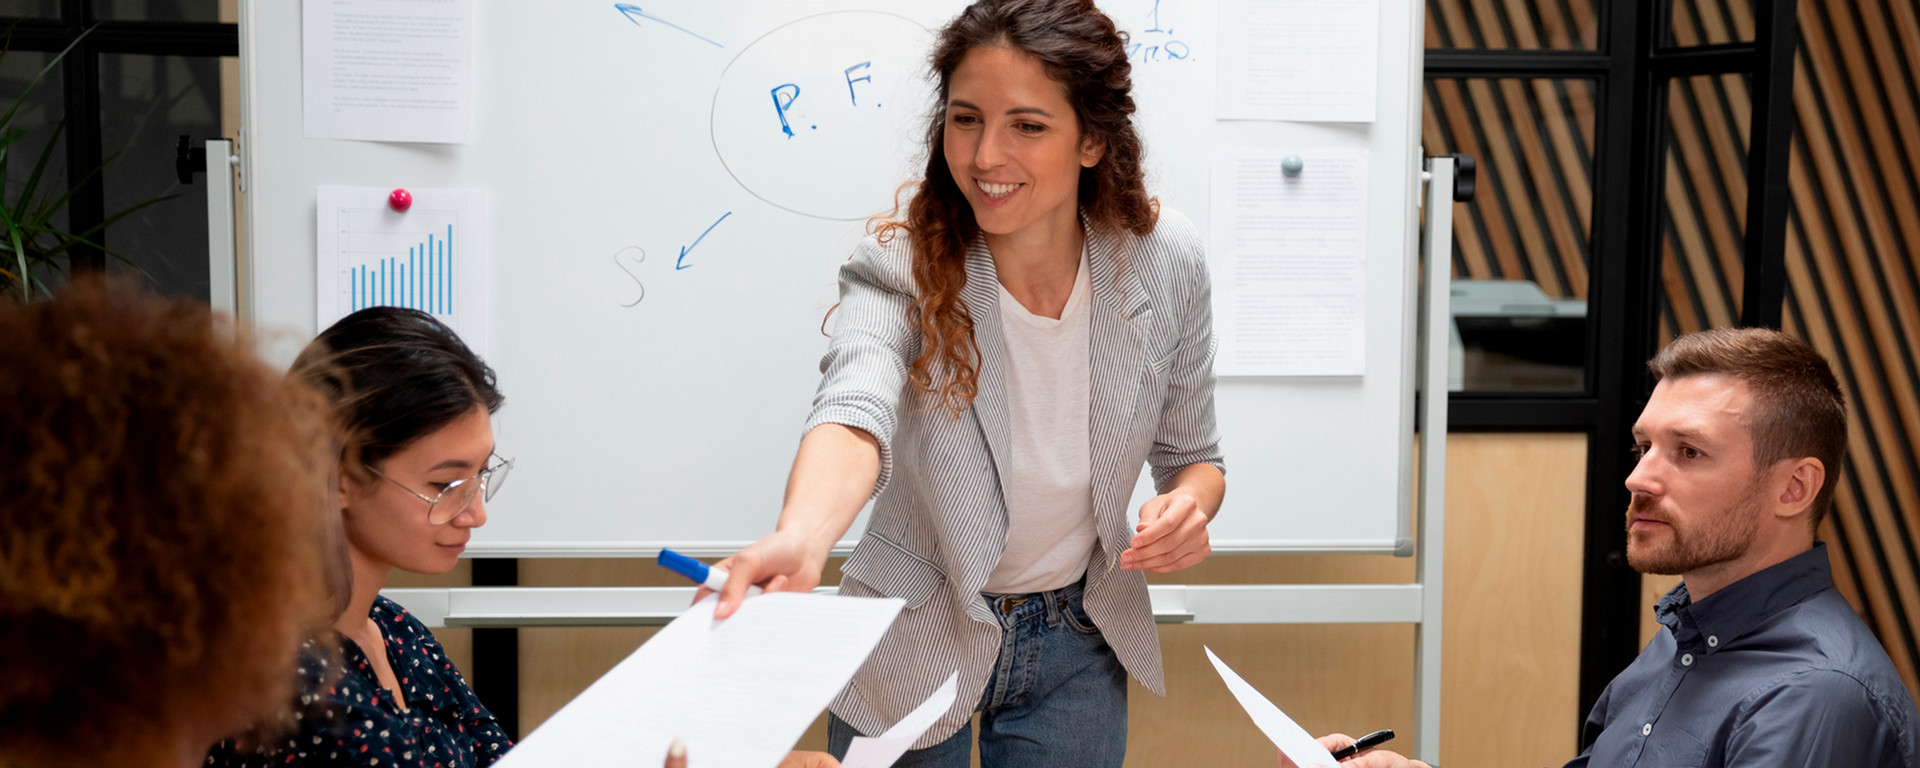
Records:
x=1050, y=526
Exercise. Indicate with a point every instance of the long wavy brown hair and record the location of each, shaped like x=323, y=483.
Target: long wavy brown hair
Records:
x=164, y=525
x=1080, y=48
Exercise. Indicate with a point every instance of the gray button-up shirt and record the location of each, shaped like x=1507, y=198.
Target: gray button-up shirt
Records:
x=1773, y=670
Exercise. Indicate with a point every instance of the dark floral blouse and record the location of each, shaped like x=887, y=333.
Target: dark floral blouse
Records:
x=357, y=723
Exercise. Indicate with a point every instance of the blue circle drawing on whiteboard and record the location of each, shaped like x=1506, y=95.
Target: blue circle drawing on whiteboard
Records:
x=799, y=121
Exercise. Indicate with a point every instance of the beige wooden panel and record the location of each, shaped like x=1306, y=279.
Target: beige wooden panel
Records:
x=1351, y=678
x=556, y=664
x=1511, y=664
x=1652, y=588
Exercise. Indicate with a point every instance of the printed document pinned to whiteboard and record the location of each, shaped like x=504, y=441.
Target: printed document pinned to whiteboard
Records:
x=1289, y=263
x=739, y=692
x=432, y=258
x=388, y=70
x=1299, y=60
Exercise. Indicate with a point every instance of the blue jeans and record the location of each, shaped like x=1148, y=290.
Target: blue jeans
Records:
x=1057, y=696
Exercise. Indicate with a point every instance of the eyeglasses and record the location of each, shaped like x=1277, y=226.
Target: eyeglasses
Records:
x=459, y=494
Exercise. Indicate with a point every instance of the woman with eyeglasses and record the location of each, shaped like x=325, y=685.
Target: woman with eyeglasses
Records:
x=416, y=471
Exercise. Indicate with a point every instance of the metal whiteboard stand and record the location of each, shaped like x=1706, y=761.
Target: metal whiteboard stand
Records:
x=1436, y=256
x=222, y=167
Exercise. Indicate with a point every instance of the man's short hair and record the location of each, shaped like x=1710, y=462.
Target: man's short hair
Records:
x=1798, y=410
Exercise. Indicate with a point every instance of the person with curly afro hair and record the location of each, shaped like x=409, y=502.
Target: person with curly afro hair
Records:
x=165, y=545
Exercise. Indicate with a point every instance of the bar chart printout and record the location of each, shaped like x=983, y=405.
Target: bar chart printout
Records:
x=420, y=279
x=428, y=258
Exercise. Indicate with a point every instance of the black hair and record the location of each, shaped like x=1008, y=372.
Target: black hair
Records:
x=394, y=376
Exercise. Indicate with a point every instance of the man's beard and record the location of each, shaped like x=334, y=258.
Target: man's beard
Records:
x=1717, y=537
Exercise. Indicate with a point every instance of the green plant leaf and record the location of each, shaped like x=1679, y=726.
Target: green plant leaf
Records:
x=136, y=207
x=67, y=240
x=7, y=138
x=19, y=251
x=40, y=165
x=35, y=82
x=46, y=211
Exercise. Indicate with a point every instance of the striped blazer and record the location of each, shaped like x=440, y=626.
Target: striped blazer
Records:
x=939, y=523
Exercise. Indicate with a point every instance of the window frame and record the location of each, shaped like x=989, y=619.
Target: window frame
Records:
x=90, y=38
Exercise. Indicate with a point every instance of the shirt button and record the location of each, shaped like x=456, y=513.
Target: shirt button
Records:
x=1713, y=641
x=1646, y=729
x=1686, y=659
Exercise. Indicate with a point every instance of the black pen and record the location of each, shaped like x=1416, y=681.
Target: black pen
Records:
x=1366, y=742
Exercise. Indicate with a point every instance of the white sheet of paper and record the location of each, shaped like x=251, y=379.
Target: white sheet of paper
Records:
x=1289, y=263
x=1299, y=60
x=1299, y=746
x=388, y=70
x=739, y=692
x=432, y=258
x=883, y=750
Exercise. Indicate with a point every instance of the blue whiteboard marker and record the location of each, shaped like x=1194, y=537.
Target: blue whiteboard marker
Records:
x=701, y=573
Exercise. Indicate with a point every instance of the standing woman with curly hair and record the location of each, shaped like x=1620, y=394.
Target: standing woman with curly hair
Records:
x=1005, y=360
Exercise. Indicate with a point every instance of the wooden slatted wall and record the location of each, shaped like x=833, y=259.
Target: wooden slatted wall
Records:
x=1852, y=287
x=1531, y=217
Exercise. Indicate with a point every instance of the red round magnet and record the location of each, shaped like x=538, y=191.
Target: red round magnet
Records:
x=400, y=200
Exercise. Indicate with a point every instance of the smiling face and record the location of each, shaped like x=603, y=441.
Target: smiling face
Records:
x=1697, y=497
x=387, y=526
x=1013, y=144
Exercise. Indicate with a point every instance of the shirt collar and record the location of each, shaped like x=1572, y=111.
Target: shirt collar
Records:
x=403, y=645
x=1738, y=608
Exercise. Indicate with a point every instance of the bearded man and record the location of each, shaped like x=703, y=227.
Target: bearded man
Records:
x=1760, y=662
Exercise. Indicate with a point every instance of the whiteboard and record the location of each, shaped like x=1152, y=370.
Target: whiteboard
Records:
x=606, y=144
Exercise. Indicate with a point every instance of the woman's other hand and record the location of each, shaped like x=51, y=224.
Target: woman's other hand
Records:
x=1172, y=535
